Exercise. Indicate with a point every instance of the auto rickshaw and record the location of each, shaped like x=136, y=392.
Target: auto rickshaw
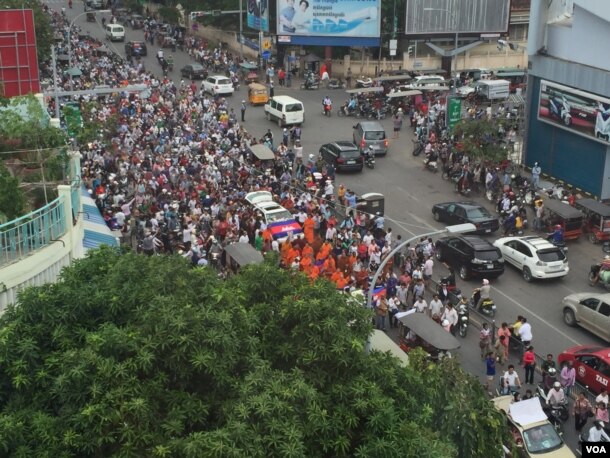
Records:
x=249, y=72
x=419, y=330
x=597, y=219
x=257, y=94
x=90, y=16
x=569, y=218
x=237, y=255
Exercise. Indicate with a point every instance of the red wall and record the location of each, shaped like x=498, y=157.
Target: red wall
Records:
x=18, y=59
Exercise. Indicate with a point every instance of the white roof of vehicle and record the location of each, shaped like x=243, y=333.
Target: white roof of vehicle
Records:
x=527, y=412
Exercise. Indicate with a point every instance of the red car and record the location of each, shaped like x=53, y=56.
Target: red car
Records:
x=592, y=364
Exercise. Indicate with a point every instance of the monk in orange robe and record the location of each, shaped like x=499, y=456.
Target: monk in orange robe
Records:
x=308, y=229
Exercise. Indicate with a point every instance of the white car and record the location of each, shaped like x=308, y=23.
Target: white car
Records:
x=465, y=91
x=218, y=84
x=534, y=256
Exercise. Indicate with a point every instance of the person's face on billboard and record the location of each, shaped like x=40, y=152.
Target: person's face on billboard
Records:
x=303, y=5
x=290, y=3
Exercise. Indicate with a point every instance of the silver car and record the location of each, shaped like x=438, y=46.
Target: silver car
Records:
x=590, y=311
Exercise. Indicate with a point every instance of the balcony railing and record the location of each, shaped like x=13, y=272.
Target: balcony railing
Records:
x=21, y=237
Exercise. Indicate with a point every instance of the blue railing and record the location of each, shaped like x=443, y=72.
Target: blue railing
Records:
x=22, y=236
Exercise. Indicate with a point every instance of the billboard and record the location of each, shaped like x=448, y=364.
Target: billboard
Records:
x=258, y=15
x=448, y=17
x=579, y=112
x=18, y=58
x=329, y=21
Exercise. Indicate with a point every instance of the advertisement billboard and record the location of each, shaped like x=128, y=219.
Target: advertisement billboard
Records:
x=18, y=58
x=329, y=21
x=578, y=111
x=258, y=15
x=448, y=17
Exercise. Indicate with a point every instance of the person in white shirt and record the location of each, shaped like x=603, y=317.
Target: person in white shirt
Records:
x=597, y=433
x=436, y=306
x=602, y=396
x=510, y=380
x=525, y=332
x=420, y=305
x=428, y=270
x=450, y=314
x=243, y=238
x=556, y=395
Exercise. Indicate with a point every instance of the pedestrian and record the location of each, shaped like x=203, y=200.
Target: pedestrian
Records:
x=420, y=305
x=510, y=380
x=271, y=90
x=582, y=411
x=397, y=121
x=285, y=137
x=382, y=313
x=436, y=308
x=451, y=316
x=501, y=347
x=485, y=340
x=567, y=377
x=536, y=171
x=546, y=365
x=348, y=78
x=243, y=111
x=428, y=270
x=529, y=363
x=525, y=332
x=490, y=371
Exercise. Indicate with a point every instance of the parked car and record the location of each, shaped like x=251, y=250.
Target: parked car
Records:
x=592, y=364
x=534, y=256
x=531, y=429
x=342, y=155
x=135, y=48
x=218, y=84
x=590, y=311
x=95, y=4
x=471, y=256
x=466, y=212
x=194, y=71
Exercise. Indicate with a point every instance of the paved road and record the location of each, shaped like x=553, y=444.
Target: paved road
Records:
x=410, y=193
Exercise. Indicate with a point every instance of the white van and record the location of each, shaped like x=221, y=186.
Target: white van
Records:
x=493, y=89
x=286, y=110
x=115, y=32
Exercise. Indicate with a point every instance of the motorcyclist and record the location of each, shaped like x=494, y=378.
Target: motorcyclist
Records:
x=351, y=106
x=483, y=291
x=556, y=396
x=557, y=235
x=160, y=55
x=432, y=156
x=597, y=433
x=327, y=105
x=369, y=153
x=604, y=267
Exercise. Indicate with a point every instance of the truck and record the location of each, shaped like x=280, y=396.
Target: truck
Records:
x=493, y=89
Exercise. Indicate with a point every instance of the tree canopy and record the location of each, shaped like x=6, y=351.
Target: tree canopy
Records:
x=145, y=356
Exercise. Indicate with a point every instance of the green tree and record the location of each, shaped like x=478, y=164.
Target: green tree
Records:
x=42, y=25
x=480, y=139
x=146, y=356
x=12, y=199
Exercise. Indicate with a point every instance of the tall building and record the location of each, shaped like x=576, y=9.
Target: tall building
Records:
x=568, y=129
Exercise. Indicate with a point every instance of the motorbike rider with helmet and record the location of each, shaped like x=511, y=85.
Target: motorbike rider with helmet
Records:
x=327, y=105
x=369, y=154
x=484, y=292
x=557, y=235
x=549, y=379
x=597, y=433
x=556, y=396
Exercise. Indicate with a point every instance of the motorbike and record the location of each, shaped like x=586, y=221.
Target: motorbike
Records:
x=235, y=82
x=556, y=414
x=382, y=113
x=327, y=110
x=418, y=147
x=561, y=245
x=336, y=84
x=595, y=268
x=487, y=306
x=369, y=160
x=364, y=81
x=431, y=163
x=558, y=192
x=463, y=319
x=310, y=84
x=560, y=108
x=345, y=110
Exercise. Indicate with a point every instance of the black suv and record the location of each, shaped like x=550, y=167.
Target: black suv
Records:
x=471, y=256
x=135, y=48
x=342, y=155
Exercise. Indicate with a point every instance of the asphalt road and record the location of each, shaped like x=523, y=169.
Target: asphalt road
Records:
x=410, y=193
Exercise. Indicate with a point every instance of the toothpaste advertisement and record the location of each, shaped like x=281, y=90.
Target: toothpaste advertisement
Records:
x=336, y=18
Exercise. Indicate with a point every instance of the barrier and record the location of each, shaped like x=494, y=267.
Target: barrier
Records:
x=22, y=236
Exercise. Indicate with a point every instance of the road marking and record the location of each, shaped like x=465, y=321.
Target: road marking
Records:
x=557, y=330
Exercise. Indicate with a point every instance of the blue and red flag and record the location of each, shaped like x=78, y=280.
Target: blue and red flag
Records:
x=281, y=229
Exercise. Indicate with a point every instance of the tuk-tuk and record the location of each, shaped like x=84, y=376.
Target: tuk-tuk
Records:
x=90, y=16
x=257, y=94
x=371, y=203
x=419, y=330
x=240, y=254
x=263, y=154
x=597, y=219
x=365, y=90
x=569, y=218
x=249, y=72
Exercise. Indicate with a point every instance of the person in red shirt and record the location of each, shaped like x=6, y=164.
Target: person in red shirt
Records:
x=529, y=363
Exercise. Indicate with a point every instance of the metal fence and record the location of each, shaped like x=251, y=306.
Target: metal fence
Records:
x=22, y=236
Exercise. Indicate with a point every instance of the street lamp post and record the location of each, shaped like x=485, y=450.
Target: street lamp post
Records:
x=457, y=229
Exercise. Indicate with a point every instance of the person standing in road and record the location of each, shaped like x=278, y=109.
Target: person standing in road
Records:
x=529, y=363
x=436, y=307
x=348, y=78
x=485, y=340
x=501, y=347
x=567, y=377
x=582, y=408
x=490, y=371
x=271, y=90
x=536, y=171
x=525, y=332
x=397, y=121
x=243, y=111
x=451, y=316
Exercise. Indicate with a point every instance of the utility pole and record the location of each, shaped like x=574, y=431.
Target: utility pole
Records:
x=55, y=82
x=241, y=29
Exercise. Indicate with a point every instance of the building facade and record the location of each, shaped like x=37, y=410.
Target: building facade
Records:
x=568, y=128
